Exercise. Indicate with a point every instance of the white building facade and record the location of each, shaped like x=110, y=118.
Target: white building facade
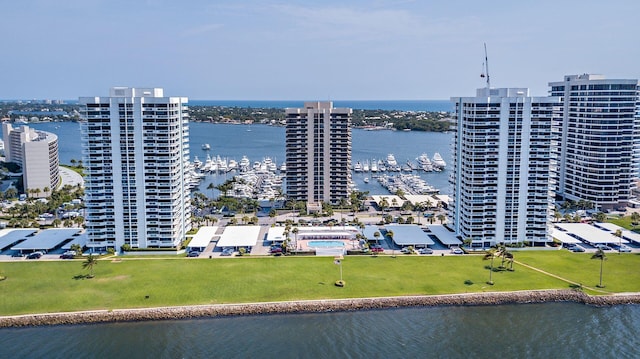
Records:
x=598, y=139
x=502, y=189
x=136, y=151
x=37, y=153
x=318, y=153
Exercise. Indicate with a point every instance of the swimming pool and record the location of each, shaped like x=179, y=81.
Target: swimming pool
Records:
x=325, y=244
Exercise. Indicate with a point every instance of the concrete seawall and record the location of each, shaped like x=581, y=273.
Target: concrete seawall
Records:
x=314, y=306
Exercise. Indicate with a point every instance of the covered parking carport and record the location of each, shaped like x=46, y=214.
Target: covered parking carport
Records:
x=239, y=236
x=202, y=238
x=47, y=240
x=409, y=235
x=11, y=237
x=445, y=236
x=590, y=234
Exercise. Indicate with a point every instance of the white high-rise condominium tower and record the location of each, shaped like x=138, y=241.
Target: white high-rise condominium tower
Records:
x=502, y=190
x=135, y=150
x=598, y=139
x=318, y=151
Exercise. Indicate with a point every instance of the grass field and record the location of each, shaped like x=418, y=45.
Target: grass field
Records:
x=38, y=287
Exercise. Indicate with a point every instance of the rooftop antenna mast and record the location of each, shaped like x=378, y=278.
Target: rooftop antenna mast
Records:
x=486, y=67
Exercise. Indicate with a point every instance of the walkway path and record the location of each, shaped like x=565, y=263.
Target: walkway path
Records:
x=70, y=177
x=561, y=278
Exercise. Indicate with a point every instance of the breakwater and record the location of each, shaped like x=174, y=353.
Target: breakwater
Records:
x=315, y=306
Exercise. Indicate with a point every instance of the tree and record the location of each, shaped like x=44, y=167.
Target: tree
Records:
x=77, y=248
x=635, y=218
x=393, y=246
x=557, y=215
x=295, y=235
x=618, y=233
x=599, y=254
x=509, y=256
x=468, y=241
x=490, y=255
x=376, y=235
x=600, y=217
x=383, y=204
x=441, y=217
x=89, y=263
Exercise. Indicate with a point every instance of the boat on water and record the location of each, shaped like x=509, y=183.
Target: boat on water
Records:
x=391, y=160
x=366, y=180
x=206, y=147
x=365, y=166
x=233, y=165
x=244, y=163
x=283, y=167
x=438, y=161
x=374, y=166
x=357, y=167
x=196, y=162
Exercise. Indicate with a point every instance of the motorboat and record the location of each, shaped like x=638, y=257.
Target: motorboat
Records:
x=437, y=161
x=206, y=147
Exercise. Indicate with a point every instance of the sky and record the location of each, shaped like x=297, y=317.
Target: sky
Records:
x=309, y=50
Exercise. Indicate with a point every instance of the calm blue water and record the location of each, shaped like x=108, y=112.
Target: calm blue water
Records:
x=557, y=330
x=234, y=141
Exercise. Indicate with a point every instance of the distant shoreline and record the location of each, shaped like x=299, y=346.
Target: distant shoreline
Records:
x=314, y=306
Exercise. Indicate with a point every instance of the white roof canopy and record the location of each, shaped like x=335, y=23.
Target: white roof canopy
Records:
x=239, y=236
x=590, y=234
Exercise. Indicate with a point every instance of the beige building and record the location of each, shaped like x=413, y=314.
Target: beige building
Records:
x=37, y=153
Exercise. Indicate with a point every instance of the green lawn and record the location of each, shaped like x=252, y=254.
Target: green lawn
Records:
x=621, y=272
x=40, y=286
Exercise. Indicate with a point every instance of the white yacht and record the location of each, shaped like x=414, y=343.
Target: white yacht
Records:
x=206, y=147
x=244, y=163
x=357, y=167
x=374, y=166
x=283, y=167
x=233, y=165
x=365, y=167
x=366, y=180
x=391, y=160
x=197, y=163
x=425, y=163
x=437, y=161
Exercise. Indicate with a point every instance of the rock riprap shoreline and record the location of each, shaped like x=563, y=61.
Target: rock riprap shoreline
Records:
x=315, y=306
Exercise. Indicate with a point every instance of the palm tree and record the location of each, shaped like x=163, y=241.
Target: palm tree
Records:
x=295, y=235
x=599, y=254
x=89, y=263
x=468, y=241
x=635, y=217
x=376, y=235
x=491, y=253
x=509, y=256
x=618, y=233
x=441, y=217
x=393, y=246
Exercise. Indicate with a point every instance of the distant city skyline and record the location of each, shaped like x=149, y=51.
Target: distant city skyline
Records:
x=297, y=50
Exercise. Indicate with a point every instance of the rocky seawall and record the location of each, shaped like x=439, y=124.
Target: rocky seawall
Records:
x=315, y=306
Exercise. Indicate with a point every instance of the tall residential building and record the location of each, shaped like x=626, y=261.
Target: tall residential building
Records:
x=136, y=150
x=598, y=139
x=502, y=190
x=37, y=153
x=318, y=153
